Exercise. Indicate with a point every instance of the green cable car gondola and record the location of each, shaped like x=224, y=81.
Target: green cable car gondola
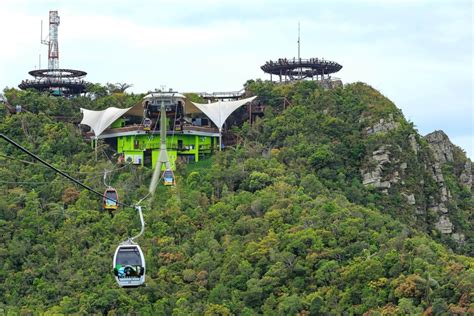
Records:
x=129, y=265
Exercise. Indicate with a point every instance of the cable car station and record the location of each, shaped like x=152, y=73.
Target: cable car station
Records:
x=192, y=130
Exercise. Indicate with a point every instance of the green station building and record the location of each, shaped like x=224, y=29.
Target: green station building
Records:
x=193, y=130
x=143, y=148
x=135, y=132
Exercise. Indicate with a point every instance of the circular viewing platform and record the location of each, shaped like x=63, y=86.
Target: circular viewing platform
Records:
x=299, y=68
x=57, y=73
x=57, y=81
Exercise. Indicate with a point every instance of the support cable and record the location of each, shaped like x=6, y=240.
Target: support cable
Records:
x=21, y=160
x=59, y=171
x=96, y=173
x=137, y=206
x=23, y=182
x=174, y=120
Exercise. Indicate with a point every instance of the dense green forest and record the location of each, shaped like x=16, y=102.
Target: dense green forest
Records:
x=278, y=224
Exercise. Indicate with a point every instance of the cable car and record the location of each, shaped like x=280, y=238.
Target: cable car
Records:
x=110, y=199
x=129, y=265
x=168, y=177
x=147, y=124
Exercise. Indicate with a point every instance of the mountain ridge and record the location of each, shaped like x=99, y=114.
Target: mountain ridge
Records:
x=280, y=223
x=394, y=150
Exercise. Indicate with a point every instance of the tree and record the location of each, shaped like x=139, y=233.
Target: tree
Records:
x=118, y=87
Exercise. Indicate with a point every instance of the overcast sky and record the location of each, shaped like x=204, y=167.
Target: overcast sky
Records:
x=417, y=53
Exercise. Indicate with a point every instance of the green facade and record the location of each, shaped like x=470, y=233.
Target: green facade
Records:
x=118, y=123
x=144, y=148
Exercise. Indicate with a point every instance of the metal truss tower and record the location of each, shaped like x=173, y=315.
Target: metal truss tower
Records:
x=52, y=42
x=59, y=82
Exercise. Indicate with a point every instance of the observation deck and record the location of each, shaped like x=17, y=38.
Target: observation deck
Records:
x=299, y=69
x=58, y=81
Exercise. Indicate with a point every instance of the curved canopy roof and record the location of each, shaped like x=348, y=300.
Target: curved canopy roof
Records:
x=164, y=95
x=219, y=111
x=99, y=121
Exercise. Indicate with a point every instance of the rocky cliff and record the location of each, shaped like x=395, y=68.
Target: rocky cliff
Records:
x=440, y=168
x=355, y=140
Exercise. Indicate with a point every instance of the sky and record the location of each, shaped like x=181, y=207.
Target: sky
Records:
x=418, y=53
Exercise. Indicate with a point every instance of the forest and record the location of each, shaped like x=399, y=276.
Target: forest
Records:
x=279, y=223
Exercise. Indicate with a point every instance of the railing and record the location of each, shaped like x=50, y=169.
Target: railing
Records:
x=300, y=61
x=52, y=81
x=137, y=128
x=183, y=148
x=222, y=95
x=200, y=128
x=325, y=80
x=131, y=128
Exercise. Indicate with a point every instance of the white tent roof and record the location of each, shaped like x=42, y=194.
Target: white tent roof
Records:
x=219, y=111
x=164, y=95
x=100, y=120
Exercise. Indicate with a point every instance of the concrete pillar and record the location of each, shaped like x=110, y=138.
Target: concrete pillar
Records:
x=196, y=148
x=250, y=113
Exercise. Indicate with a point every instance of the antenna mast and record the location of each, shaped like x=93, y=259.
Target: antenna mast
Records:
x=301, y=69
x=299, y=42
x=52, y=79
x=52, y=40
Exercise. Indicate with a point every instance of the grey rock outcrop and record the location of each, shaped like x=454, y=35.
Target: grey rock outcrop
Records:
x=426, y=172
x=410, y=198
x=439, y=208
x=459, y=238
x=441, y=146
x=389, y=165
x=466, y=175
x=438, y=176
x=381, y=157
x=375, y=176
x=444, y=152
x=444, y=225
x=414, y=144
x=382, y=126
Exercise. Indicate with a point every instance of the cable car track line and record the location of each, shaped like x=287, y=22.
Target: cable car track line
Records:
x=129, y=243
x=57, y=170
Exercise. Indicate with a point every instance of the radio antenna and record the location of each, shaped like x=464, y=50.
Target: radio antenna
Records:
x=299, y=41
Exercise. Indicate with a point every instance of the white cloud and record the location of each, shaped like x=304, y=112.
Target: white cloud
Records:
x=115, y=29
x=423, y=64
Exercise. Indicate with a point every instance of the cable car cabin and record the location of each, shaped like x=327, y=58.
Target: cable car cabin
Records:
x=147, y=124
x=110, y=199
x=129, y=265
x=168, y=177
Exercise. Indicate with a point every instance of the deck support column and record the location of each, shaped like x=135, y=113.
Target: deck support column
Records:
x=220, y=138
x=95, y=148
x=196, y=148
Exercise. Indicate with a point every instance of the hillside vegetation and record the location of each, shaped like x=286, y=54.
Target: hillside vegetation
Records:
x=279, y=224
